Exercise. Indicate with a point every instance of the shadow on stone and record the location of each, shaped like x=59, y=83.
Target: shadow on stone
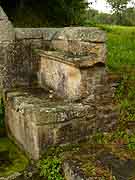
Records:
x=4, y=160
x=121, y=169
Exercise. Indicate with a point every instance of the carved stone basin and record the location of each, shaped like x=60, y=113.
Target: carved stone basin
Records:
x=68, y=74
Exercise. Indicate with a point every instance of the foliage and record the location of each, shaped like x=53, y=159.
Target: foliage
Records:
x=118, y=137
x=118, y=7
x=50, y=168
x=127, y=139
x=45, y=13
x=51, y=162
x=126, y=17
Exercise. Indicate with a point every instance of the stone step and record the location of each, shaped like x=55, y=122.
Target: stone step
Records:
x=98, y=162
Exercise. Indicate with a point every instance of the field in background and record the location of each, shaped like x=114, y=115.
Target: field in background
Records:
x=121, y=61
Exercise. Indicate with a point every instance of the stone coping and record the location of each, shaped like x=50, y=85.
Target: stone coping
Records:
x=79, y=61
x=86, y=34
x=41, y=101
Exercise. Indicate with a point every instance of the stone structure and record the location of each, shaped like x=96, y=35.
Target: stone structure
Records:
x=62, y=93
x=6, y=37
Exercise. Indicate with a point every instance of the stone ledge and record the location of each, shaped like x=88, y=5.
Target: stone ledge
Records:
x=35, y=33
x=79, y=61
x=86, y=34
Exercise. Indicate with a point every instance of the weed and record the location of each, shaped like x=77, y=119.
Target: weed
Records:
x=50, y=168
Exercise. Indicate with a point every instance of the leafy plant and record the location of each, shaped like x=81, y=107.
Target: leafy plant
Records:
x=50, y=168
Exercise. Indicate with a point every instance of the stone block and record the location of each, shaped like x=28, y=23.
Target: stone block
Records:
x=28, y=33
x=86, y=34
x=36, y=121
x=69, y=76
x=6, y=31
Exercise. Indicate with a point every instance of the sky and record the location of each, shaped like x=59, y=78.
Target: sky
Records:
x=101, y=5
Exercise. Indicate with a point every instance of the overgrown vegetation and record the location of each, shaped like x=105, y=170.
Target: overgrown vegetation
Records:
x=51, y=168
x=50, y=164
x=121, y=61
x=11, y=159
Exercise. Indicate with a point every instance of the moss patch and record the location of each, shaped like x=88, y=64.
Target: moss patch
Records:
x=11, y=159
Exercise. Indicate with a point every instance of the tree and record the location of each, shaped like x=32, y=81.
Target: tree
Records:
x=48, y=12
x=118, y=6
x=129, y=17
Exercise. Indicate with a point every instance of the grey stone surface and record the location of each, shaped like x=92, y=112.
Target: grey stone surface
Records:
x=6, y=37
x=6, y=31
x=38, y=119
x=87, y=34
x=36, y=33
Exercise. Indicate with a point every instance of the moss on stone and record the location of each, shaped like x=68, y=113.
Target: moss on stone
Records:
x=11, y=159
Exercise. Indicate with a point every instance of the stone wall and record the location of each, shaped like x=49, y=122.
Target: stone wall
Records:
x=6, y=37
x=38, y=37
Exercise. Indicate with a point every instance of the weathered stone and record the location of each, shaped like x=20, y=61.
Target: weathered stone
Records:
x=37, y=121
x=21, y=67
x=75, y=71
x=28, y=33
x=7, y=36
x=64, y=74
x=6, y=31
x=91, y=34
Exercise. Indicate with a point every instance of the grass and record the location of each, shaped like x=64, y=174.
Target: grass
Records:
x=121, y=47
x=121, y=61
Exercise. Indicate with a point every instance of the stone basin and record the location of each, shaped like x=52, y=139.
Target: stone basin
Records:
x=69, y=75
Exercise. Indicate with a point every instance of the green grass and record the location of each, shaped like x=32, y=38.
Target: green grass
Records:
x=14, y=160
x=121, y=47
x=121, y=61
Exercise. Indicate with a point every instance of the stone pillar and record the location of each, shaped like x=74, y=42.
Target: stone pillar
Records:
x=6, y=37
